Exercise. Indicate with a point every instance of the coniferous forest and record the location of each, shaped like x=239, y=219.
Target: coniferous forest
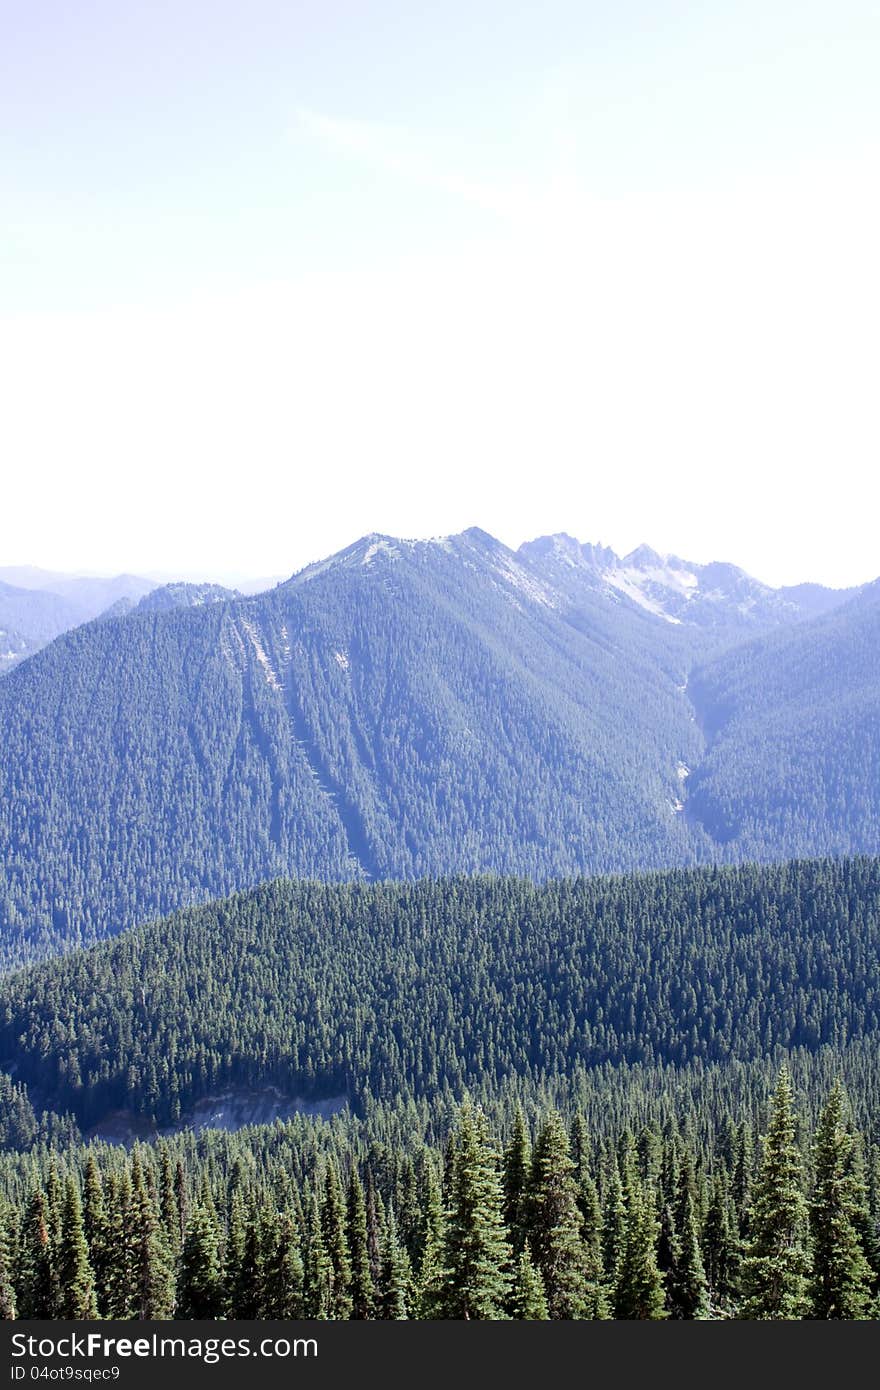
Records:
x=652, y=1096
x=449, y=932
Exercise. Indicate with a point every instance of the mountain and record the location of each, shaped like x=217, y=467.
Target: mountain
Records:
x=792, y=722
x=14, y=647
x=402, y=709
x=716, y=597
x=35, y=613
x=86, y=595
x=38, y=605
x=180, y=595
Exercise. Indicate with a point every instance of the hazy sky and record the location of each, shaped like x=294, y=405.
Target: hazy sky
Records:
x=273, y=275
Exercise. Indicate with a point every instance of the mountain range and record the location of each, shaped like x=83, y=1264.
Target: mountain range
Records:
x=38, y=605
x=418, y=708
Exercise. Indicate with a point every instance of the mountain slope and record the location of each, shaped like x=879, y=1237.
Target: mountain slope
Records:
x=398, y=712
x=404, y=990
x=793, y=721
x=417, y=708
x=38, y=605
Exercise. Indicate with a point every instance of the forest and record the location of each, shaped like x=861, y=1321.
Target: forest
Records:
x=553, y=1222
x=639, y=1096
x=418, y=712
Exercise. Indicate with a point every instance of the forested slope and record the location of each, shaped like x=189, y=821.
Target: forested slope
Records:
x=407, y=709
x=793, y=727
x=398, y=990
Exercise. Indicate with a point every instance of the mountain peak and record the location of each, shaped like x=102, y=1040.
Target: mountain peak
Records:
x=644, y=556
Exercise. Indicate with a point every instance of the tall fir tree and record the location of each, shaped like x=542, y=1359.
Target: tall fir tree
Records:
x=639, y=1293
x=688, y=1289
x=840, y=1283
x=362, y=1293
x=152, y=1260
x=475, y=1280
x=75, y=1274
x=200, y=1292
x=282, y=1274
x=555, y=1224
x=317, y=1269
x=393, y=1292
x=776, y=1262
x=34, y=1278
x=517, y=1163
x=529, y=1300
x=333, y=1222
x=8, y=1306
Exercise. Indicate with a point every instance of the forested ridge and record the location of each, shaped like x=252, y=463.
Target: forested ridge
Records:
x=410, y=710
x=406, y=989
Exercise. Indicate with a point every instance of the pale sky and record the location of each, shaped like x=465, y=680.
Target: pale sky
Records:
x=274, y=275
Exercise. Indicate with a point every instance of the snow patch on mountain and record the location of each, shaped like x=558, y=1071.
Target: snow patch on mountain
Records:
x=635, y=585
x=260, y=653
x=524, y=582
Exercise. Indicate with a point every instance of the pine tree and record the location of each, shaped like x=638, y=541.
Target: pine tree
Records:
x=96, y=1230
x=75, y=1274
x=317, y=1270
x=614, y=1224
x=721, y=1249
x=8, y=1310
x=688, y=1292
x=430, y=1283
x=639, y=1292
x=554, y=1222
x=840, y=1285
x=393, y=1291
x=333, y=1220
x=776, y=1262
x=152, y=1263
x=517, y=1163
x=283, y=1274
x=475, y=1281
x=117, y=1257
x=200, y=1292
x=529, y=1300
x=35, y=1257
x=362, y=1299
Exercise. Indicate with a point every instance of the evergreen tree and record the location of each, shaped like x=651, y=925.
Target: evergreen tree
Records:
x=776, y=1261
x=96, y=1230
x=283, y=1274
x=35, y=1257
x=721, y=1249
x=639, y=1292
x=362, y=1299
x=517, y=1163
x=317, y=1269
x=117, y=1257
x=152, y=1263
x=75, y=1274
x=393, y=1291
x=614, y=1225
x=840, y=1285
x=475, y=1281
x=529, y=1301
x=688, y=1291
x=8, y=1311
x=333, y=1221
x=430, y=1284
x=555, y=1224
x=200, y=1292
